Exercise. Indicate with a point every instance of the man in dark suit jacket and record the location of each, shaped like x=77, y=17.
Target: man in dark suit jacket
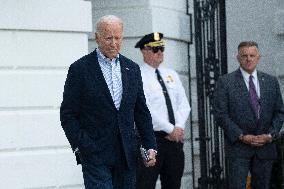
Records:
x=103, y=98
x=249, y=107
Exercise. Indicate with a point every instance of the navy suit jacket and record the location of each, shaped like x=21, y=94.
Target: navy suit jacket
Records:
x=234, y=113
x=89, y=117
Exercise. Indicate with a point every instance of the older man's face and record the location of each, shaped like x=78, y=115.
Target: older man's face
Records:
x=109, y=39
x=248, y=58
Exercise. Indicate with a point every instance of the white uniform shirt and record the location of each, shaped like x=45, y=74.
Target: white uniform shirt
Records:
x=156, y=101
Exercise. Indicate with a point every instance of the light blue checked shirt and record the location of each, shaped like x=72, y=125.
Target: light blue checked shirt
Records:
x=112, y=74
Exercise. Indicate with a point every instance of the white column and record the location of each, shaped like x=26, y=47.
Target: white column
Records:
x=39, y=39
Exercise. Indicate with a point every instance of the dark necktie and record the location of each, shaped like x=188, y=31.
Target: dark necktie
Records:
x=253, y=97
x=167, y=98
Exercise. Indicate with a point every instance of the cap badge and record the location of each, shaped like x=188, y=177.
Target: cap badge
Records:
x=156, y=36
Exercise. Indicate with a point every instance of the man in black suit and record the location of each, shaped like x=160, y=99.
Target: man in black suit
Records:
x=249, y=108
x=103, y=98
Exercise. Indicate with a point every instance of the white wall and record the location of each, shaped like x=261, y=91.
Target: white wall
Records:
x=262, y=22
x=39, y=39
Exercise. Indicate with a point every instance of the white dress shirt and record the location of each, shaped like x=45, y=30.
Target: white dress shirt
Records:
x=156, y=101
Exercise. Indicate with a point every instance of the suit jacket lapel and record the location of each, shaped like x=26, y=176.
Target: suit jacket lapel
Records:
x=240, y=83
x=125, y=80
x=97, y=74
x=264, y=91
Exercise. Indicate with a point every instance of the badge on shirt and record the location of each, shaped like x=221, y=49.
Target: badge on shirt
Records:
x=169, y=79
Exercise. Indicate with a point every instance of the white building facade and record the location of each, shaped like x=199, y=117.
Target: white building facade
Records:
x=38, y=41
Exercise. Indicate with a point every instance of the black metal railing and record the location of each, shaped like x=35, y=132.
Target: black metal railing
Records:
x=211, y=62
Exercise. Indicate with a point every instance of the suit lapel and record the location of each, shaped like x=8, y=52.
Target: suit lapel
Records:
x=241, y=85
x=125, y=80
x=97, y=74
x=264, y=91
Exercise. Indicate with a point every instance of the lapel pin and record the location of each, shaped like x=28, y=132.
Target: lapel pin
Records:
x=127, y=68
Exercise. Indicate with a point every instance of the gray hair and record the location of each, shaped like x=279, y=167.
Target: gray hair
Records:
x=107, y=19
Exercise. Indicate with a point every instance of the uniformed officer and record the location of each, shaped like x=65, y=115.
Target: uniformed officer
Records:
x=169, y=107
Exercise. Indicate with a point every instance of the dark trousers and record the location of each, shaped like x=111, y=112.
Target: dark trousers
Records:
x=169, y=165
x=107, y=177
x=112, y=175
x=238, y=169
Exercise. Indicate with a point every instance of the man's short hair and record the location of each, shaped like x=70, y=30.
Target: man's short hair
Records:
x=248, y=44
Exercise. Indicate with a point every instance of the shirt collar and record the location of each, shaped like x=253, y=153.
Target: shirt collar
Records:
x=246, y=75
x=100, y=55
x=149, y=68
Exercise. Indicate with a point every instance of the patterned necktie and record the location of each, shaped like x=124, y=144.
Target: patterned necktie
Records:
x=253, y=97
x=116, y=84
x=167, y=98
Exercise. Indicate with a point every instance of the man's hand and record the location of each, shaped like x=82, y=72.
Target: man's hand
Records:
x=176, y=135
x=247, y=139
x=260, y=140
x=152, y=158
x=256, y=140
